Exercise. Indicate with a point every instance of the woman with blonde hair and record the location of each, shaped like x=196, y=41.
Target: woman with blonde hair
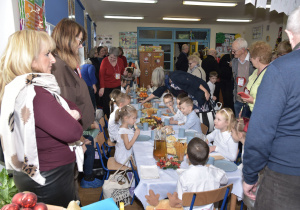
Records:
x=35, y=141
x=195, y=67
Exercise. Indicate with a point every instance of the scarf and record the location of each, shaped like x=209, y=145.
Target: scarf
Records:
x=17, y=130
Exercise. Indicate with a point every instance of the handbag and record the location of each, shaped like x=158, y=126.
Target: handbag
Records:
x=117, y=186
x=207, y=116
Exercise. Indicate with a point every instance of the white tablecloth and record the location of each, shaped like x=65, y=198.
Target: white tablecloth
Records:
x=143, y=154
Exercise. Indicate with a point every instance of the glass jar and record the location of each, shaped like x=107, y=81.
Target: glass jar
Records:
x=160, y=145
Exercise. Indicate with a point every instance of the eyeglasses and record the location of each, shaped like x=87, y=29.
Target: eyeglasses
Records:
x=190, y=63
x=234, y=51
x=80, y=41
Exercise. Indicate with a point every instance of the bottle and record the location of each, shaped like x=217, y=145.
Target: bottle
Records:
x=121, y=205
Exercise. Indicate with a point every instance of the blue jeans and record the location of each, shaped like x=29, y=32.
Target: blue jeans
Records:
x=237, y=108
x=89, y=157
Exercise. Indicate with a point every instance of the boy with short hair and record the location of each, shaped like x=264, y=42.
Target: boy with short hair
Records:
x=129, y=78
x=179, y=118
x=169, y=102
x=192, y=120
x=213, y=76
x=198, y=177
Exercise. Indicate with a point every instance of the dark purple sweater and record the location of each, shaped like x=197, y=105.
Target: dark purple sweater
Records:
x=54, y=128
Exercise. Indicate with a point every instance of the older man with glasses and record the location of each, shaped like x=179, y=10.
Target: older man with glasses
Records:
x=242, y=68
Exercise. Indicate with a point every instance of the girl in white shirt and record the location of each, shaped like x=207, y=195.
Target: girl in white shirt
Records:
x=113, y=95
x=126, y=136
x=120, y=100
x=221, y=136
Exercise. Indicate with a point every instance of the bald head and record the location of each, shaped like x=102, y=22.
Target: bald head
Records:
x=185, y=48
x=293, y=27
x=212, y=52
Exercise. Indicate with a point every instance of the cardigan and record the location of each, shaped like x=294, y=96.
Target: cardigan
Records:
x=108, y=72
x=74, y=89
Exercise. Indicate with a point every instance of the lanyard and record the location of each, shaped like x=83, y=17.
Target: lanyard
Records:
x=257, y=78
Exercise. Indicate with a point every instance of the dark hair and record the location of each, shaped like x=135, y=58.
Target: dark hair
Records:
x=213, y=74
x=121, y=49
x=99, y=49
x=129, y=70
x=64, y=35
x=124, y=111
x=198, y=151
x=283, y=48
x=186, y=100
x=181, y=96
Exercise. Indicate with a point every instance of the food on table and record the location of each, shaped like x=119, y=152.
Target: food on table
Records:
x=152, y=121
x=143, y=95
x=150, y=111
x=143, y=89
x=168, y=130
x=171, y=138
x=147, y=105
x=171, y=149
x=180, y=149
x=25, y=201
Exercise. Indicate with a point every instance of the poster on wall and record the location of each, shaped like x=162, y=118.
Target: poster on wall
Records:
x=128, y=41
x=105, y=40
x=32, y=14
x=223, y=43
x=257, y=32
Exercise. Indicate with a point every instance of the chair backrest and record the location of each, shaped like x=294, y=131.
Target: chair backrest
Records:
x=100, y=138
x=102, y=122
x=204, y=129
x=207, y=197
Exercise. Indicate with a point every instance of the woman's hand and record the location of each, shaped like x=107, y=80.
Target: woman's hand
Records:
x=74, y=113
x=101, y=92
x=249, y=100
x=95, y=89
x=206, y=93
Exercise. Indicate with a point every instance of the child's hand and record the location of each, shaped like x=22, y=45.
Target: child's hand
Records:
x=212, y=149
x=74, y=113
x=148, y=86
x=87, y=142
x=172, y=121
x=168, y=111
x=137, y=132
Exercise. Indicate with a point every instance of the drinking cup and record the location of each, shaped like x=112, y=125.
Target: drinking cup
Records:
x=145, y=126
x=181, y=133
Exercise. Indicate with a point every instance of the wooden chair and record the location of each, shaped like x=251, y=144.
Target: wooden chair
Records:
x=204, y=129
x=108, y=143
x=208, y=197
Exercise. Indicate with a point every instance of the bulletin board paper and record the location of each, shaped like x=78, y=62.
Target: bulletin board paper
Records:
x=128, y=41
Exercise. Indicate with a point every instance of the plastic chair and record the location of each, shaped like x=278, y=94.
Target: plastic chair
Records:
x=204, y=129
x=208, y=197
x=106, y=120
x=108, y=143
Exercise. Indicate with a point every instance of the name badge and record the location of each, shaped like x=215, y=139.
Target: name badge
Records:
x=241, y=81
x=118, y=76
x=247, y=91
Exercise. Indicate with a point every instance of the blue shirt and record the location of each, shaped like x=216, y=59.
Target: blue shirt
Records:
x=192, y=122
x=273, y=137
x=88, y=74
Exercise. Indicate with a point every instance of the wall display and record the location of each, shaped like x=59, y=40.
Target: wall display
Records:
x=257, y=32
x=224, y=43
x=128, y=41
x=105, y=40
x=32, y=14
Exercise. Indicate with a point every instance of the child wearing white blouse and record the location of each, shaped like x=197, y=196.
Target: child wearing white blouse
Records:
x=179, y=118
x=119, y=101
x=198, y=177
x=221, y=136
x=126, y=136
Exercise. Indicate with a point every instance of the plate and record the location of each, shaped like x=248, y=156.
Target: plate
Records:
x=143, y=138
x=225, y=165
x=168, y=114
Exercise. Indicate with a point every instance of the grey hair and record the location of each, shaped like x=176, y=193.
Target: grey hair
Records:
x=87, y=61
x=293, y=22
x=114, y=51
x=241, y=42
x=158, y=77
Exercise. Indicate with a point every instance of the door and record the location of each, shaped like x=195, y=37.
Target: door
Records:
x=193, y=47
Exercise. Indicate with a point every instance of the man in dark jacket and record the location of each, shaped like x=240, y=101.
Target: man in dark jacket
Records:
x=182, y=61
x=210, y=63
x=273, y=137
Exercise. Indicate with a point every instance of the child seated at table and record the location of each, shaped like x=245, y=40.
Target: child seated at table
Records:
x=179, y=118
x=198, y=177
x=168, y=101
x=221, y=136
x=192, y=120
x=112, y=103
x=124, y=87
x=129, y=77
x=126, y=136
x=121, y=100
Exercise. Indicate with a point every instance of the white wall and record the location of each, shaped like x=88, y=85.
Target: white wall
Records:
x=272, y=32
x=9, y=21
x=113, y=28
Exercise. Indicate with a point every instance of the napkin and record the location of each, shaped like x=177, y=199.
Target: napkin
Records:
x=149, y=172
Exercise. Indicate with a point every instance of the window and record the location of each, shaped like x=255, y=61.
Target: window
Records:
x=146, y=34
x=164, y=35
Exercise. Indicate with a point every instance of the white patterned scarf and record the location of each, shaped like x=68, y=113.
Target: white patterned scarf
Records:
x=17, y=130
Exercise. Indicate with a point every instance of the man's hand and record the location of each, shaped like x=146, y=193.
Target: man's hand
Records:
x=101, y=92
x=249, y=190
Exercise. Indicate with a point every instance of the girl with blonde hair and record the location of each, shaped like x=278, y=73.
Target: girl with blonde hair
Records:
x=221, y=136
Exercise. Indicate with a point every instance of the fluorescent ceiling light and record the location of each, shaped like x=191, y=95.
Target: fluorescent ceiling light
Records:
x=182, y=19
x=134, y=1
x=233, y=20
x=214, y=4
x=123, y=17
